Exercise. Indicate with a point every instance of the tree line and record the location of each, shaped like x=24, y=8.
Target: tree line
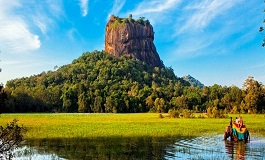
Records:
x=98, y=82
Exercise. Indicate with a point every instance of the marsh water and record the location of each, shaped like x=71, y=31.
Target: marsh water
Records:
x=205, y=147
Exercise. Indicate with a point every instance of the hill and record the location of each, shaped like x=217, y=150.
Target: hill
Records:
x=95, y=82
x=100, y=82
x=193, y=82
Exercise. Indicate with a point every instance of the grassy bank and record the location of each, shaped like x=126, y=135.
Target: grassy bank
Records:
x=75, y=125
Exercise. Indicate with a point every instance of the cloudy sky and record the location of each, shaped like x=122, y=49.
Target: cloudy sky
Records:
x=215, y=41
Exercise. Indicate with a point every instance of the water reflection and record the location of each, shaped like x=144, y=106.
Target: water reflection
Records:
x=142, y=148
x=236, y=149
x=99, y=148
x=215, y=148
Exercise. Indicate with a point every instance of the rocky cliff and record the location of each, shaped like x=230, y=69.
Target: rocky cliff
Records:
x=126, y=36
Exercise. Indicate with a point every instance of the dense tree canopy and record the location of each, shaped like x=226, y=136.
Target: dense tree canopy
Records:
x=100, y=82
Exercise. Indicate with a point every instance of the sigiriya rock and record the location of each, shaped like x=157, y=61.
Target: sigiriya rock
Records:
x=135, y=38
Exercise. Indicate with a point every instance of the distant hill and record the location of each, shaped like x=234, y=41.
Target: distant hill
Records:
x=193, y=82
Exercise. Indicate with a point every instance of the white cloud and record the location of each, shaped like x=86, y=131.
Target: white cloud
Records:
x=262, y=65
x=155, y=6
x=42, y=22
x=156, y=11
x=55, y=8
x=22, y=23
x=74, y=34
x=205, y=28
x=200, y=15
x=117, y=6
x=45, y=14
x=15, y=35
x=84, y=7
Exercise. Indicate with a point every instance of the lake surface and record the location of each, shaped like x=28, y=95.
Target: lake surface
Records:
x=206, y=147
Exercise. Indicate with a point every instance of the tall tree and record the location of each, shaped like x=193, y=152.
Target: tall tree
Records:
x=232, y=98
x=3, y=98
x=149, y=102
x=252, y=94
x=180, y=102
x=159, y=104
x=3, y=95
x=82, y=104
x=98, y=104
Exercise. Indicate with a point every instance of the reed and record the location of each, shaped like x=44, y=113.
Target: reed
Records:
x=77, y=125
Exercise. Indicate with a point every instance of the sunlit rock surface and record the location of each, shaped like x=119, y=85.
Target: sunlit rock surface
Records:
x=125, y=36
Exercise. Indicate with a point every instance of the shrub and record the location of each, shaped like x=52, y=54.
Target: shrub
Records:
x=209, y=112
x=173, y=113
x=115, y=24
x=187, y=113
x=160, y=115
x=10, y=138
x=125, y=20
x=200, y=116
x=213, y=112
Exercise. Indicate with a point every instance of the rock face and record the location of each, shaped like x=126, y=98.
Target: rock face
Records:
x=125, y=36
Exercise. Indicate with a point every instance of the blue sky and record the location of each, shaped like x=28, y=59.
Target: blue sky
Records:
x=215, y=41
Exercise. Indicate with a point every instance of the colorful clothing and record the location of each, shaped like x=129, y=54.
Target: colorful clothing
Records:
x=242, y=134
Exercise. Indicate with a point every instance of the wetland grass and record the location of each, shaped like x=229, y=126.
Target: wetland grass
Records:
x=77, y=125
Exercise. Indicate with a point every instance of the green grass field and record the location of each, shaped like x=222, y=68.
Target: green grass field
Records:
x=76, y=125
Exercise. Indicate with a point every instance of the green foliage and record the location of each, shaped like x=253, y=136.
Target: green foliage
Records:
x=213, y=112
x=186, y=113
x=100, y=82
x=121, y=21
x=95, y=82
x=116, y=23
x=173, y=113
x=140, y=21
x=254, y=95
x=3, y=98
x=10, y=138
x=159, y=104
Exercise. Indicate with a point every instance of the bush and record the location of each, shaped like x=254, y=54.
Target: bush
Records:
x=10, y=137
x=160, y=116
x=125, y=20
x=200, y=116
x=209, y=112
x=116, y=24
x=213, y=112
x=187, y=113
x=173, y=113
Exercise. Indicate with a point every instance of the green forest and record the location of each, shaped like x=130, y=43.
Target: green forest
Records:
x=98, y=82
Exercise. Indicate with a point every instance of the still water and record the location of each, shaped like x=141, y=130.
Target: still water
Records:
x=206, y=147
